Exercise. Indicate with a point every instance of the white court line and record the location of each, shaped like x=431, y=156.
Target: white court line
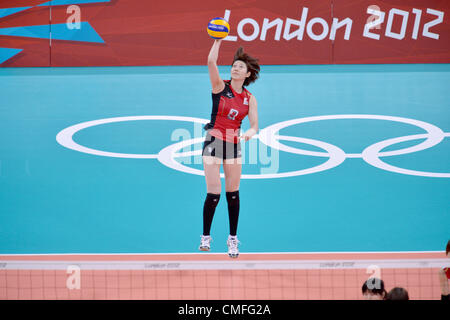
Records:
x=211, y=253
x=226, y=264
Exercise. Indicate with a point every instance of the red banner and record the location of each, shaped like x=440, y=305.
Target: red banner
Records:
x=394, y=31
x=173, y=32
x=34, y=52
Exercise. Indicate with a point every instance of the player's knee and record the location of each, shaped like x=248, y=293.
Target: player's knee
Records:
x=232, y=185
x=214, y=188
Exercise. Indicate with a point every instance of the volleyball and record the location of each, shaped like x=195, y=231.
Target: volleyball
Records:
x=218, y=28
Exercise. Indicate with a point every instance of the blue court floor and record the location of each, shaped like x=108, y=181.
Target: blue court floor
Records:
x=354, y=158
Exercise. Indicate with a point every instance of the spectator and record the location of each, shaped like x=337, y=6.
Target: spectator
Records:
x=373, y=289
x=444, y=275
x=397, y=294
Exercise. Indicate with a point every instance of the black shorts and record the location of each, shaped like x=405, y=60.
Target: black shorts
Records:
x=218, y=148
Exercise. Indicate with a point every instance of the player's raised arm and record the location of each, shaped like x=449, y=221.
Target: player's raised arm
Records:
x=216, y=82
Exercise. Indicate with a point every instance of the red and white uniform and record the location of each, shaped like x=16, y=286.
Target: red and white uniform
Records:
x=229, y=109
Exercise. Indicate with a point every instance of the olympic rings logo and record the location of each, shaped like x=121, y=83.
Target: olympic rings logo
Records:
x=269, y=136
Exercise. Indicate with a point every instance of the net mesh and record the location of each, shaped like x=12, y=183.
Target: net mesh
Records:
x=215, y=280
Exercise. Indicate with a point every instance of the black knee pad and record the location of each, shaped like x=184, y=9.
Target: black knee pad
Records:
x=233, y=198
x=212, y=199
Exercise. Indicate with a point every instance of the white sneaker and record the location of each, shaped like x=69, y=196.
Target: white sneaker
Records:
x=205, y=243
x=232, y=243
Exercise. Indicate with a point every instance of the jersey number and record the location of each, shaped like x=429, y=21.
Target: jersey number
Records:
x=233, y=114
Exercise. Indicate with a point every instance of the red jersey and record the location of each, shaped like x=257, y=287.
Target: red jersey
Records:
x=228, y=111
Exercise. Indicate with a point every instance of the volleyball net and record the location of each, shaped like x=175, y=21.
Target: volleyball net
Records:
x=216, y=277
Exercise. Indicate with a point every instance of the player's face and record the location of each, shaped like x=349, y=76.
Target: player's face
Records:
x=239, y=70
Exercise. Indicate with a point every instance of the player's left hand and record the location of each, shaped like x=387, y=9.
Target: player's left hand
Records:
x=245, y=136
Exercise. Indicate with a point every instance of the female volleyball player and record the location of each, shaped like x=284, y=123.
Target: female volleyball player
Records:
x=231, y=103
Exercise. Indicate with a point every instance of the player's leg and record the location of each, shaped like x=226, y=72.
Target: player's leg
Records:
x=211, y=167
x=232, y=171
x=212, y=161
x=233, y=168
